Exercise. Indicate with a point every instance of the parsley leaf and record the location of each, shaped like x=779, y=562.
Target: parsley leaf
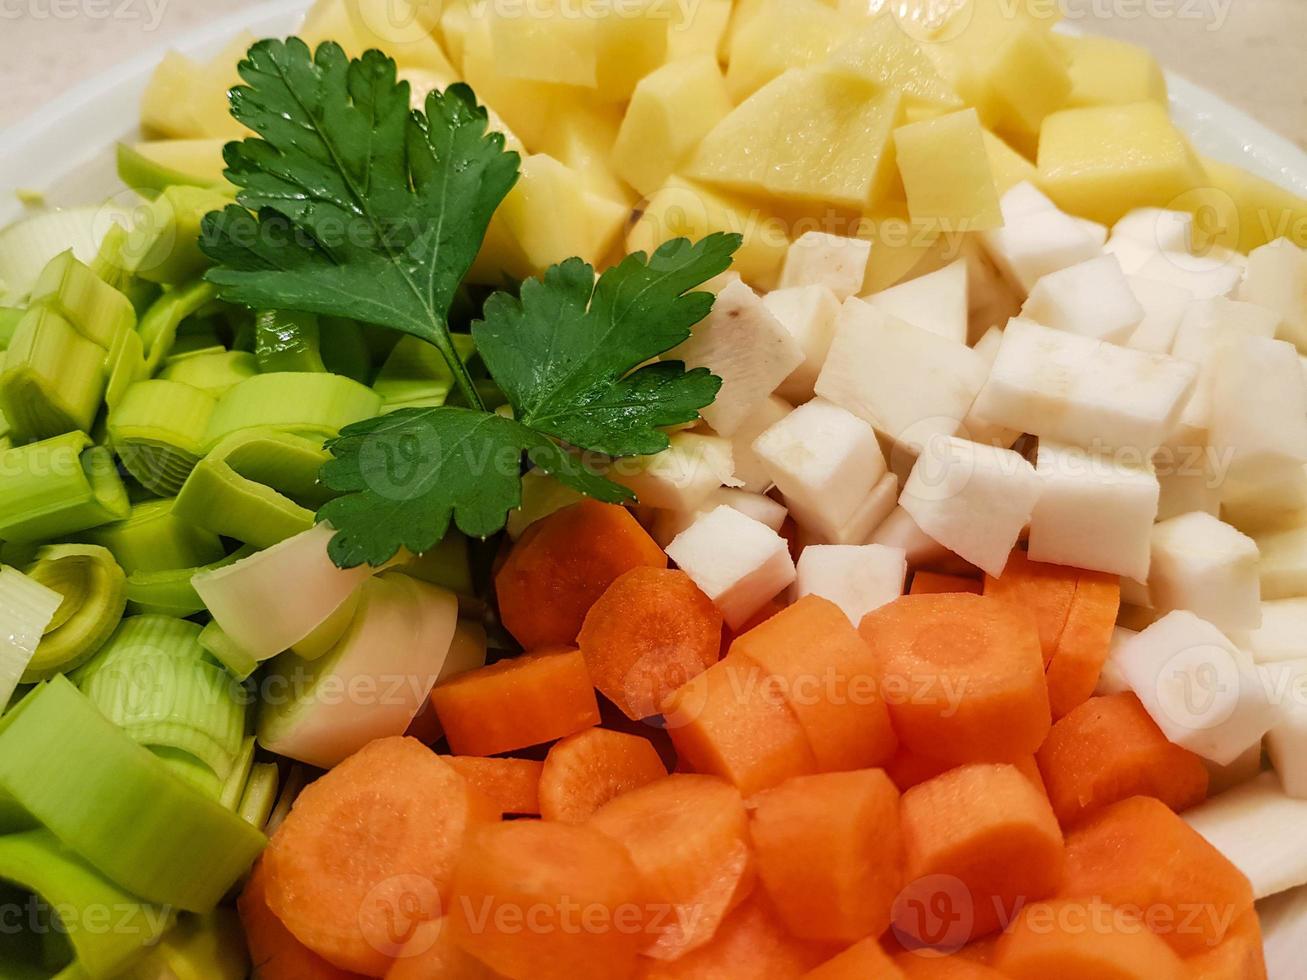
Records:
x=366, y=210
x=567, y=353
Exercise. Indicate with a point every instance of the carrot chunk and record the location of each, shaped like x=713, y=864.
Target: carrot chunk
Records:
x=1077, y=940
x=275, y=953
x=727, y=722
x=962, y=675
x=1138, y=854
x=979, y=841
x=1043, y=589
x=689, y=838
x=1109, y=749
x=513, y=784
x=907, y=769
x=861, y=961
x=1085, y=642
x=584, y=771
x=824, y=671
x=751, y=943
x=649, y=633
x=513, y=703
x=935, y=583
x=379, y=833
x=432, y=954
x=540, y=900
x=563, y=564
x=829, y=853
x=1239, y=956
x=765, y=612
x=928, y=965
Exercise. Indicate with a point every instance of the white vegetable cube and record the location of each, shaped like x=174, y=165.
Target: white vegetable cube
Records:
x=745, y=346
x=1209, y=568
x=1095, y=231
x=871, y=513
x=1204, y=693
x=1283, y=633
x=750, y=471
x=857, y=578
x=975, y=428
x=1094, y=512
x=899, y=530
x=1286, y=742
x=1090, y=298
x=1164, y=305
x=1110, y=678
x=1157, y=228
x=825, y=461
x=681, y=476
x=739, y=563
x=1132, y=255
x=935, y=302
x=1276, y=278
x=973, y=499
x=908, y=383
x=818, y=259
x=1259, y=409
x=1208, y=276
x=1258, y=827
x=1271, y=505
x=1036, y=238
x=1283, y=566
x=667, y=524
x=1220, y=313
x=808, y=313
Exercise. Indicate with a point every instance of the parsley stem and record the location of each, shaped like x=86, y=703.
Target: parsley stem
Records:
x=445, y=344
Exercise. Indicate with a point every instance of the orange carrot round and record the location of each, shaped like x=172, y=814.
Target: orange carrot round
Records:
x=829, y=854
x=274, y=952
x=513, y=784
x=860, y=961
x=563, y=564
x=517, y=702
x=934, y=583
x=1109, y=749
x=539, y=900
x=649, y=633
x=367, y=852
x=584, y=771
x=432, y=954
x=689, y=838
x=963, y=676
x=1074, y=940
x=1085, y=642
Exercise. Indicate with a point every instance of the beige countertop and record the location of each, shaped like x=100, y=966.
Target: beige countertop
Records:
x=1251, y=52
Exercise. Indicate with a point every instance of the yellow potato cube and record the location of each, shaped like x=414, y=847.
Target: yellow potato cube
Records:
x=548, y=216
x=456, y=20
x=806, y=136
x=1103, y=161
x=1024, y=79
x=901, y=248
x=779, y=35
x=946, y=173
x=581, y=136
x=1105, y=71
x=880, y=52
x=698, y=28
x=550, y=42
x=1241, y=211
x=186, y=99
x=393, y=26
x=1007, y=165
x=681, y=208
x=631, y=38
x=526, y=107
x=671, y=110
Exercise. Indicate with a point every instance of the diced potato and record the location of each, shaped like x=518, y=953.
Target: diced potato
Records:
x=670, y=111
x=946, y=173
x=779, y=35
x=681, y=208
x=393, y=26
x=697, y=29
x=527, y=107
x=806, y=136
x=1104, y=161
x=1256, y=211
x=1006, y=165
x=883, y=54
x=548, y=43
x=1105, y=71
x=632, y=42
x=1020, y=82
x=902, y=249
x=581, y=136
x=187, y=100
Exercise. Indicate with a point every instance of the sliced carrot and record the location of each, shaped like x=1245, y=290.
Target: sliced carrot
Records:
x=584, y=771
x=514, y=784
x=432, y=954
x=274, y=952
x=934, y=583
x=765, y=612
x=962, y=675
x=751, y=943
x=647, y=728
x=649, y=633
x=1076, y=940
x=1109, y=749
x=727, y=722
x=907, y=769
x=829, y=853
x=517, y=702
x=689, y=838
x=979, y=841
x=824, y=671
x=538, y=900
x=1042, y=589
x=928, y=965
x=1138, y=854
x=1085, y=642
x=563, y=564
x=377, y=834
x=1239, y=956
x=861, y=961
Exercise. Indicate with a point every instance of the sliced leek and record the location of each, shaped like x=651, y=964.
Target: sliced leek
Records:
x=26, y=247
x=153, y=538
x=163, y=245
x=170, y=592
x=190, y=770
x=311, y=405
x=213, y=372
x=117, y=805
x=97, y=310
x=297, y=777
x=158, y=327
x=286, y=341
x=328, y=633
x=27, y=607
x=124, y=366
x=108, y=265
x=260, y=794
x=227, y=652
x=415, y=374
x=93, y=591
x=198, y=947
x=233, y=788
x=158, y=430
x=53, y=379
x=57, y=487
x=10, y=317
x=445, y=565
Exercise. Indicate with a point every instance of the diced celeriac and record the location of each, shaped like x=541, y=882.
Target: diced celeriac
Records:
x=857, y=578
x=1286, y=742
x=1157, y=228
x=1221, y=313
x=973, y=427
x=1096, y=231
x=1216, y=274
x=1091, y=298
x=808, y=313
x=1272, y=505
x=973, y=499
x=1283, y=566
x=1110, y=678
x=899, y=530
x=745, y=346
x=1036, y=238
x=1259, y=828
x=1094, y=511
x=739, y=563
x=1283, y=632
x=936, y=302
x=816, y=258
x=1206, y=566
x=1276, y=278
x=750, y=472
x=680, y=477
x=871, y=513
x=667, y=524
x=1284, y=931
x=1164, y=306
x=1132, y=255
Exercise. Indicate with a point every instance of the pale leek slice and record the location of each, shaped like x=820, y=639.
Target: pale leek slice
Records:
x=190, y=770
x=328, y=633
x=271, y=600
x=213, y=372
x=117, y=805
x=287, y=341
x=260, y=794
x=415, y=374
x=227, y=652
x=158, y=327
x=58, y=487
x=310, y=405
x=10, y=317
x=297, y=777
x=27, y=608
x=158, y=430
x=164, y=245
x=198, y=947
x=387, y=662
x=93, y=590
x=153, y=538
x=171, y=592
x=542, y=495
x=26, y=247
x=53, y=379
x=97, y=310
x=108, y=265
x=446, y=565
x=233, y=788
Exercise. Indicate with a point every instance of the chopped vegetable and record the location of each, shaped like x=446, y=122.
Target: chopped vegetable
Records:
x=1085, y=642
x=274, y=950
x=513, y=784
x=432, y=952
x=866, y=958
x=933, y=583
x=27, y=610
x=93, y=592
x=1115, y=946
x=584, y=771
x=57, y=487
